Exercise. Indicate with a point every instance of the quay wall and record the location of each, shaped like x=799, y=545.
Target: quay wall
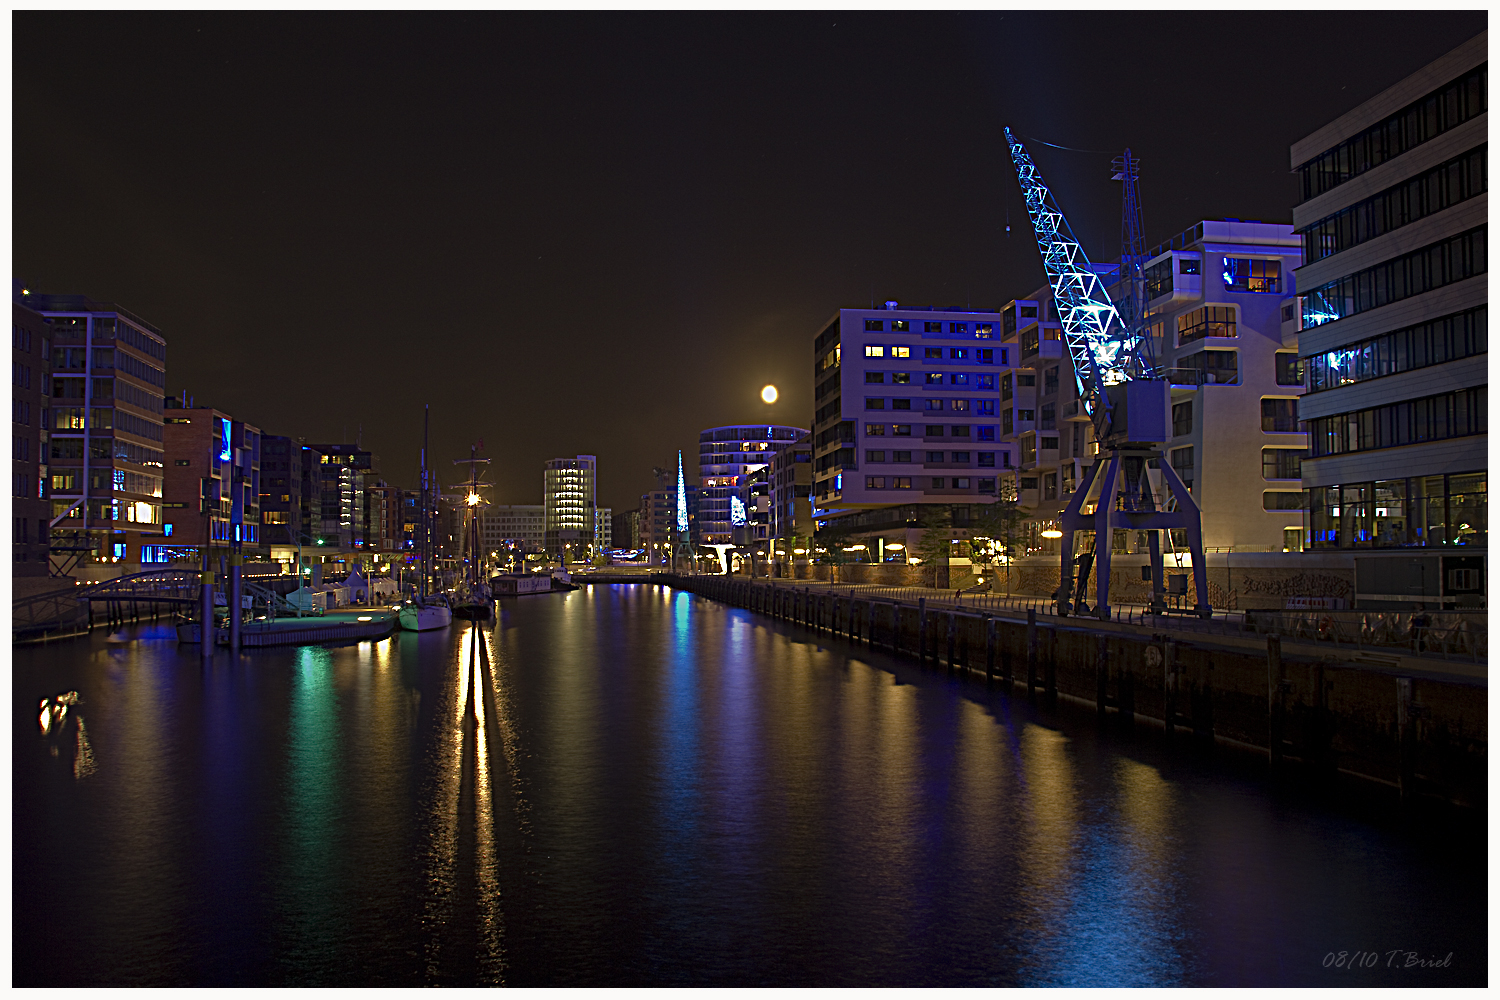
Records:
x=1423, y=733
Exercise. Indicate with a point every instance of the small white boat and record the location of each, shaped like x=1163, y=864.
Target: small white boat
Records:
x=426, y=615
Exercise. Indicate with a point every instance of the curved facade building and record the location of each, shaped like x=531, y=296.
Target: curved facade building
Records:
x=724, y=455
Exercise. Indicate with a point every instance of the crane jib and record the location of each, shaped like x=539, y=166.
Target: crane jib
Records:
x=1099, y=345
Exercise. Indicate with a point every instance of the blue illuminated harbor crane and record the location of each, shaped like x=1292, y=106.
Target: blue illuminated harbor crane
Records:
x=1124, y=394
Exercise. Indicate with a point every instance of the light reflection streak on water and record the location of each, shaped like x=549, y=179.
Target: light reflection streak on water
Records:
x=443, y=817
x=1047, y=836
x=481, y=658
x=678, y=762
x=896, y=834
x=504, y=712
x=314, y=762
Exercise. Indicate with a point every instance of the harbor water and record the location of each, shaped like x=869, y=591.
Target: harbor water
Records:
x=631, y=785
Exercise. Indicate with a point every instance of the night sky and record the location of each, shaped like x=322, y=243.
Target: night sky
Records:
x=601, y=233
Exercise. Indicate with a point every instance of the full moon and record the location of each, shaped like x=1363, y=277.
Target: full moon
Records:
x=768, y=394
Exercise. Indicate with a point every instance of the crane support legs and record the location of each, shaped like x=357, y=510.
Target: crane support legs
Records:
x=1133, y=509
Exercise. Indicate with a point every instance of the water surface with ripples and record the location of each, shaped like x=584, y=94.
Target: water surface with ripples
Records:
x=630, y=785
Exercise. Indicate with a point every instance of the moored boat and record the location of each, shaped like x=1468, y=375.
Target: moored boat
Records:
x=425, y=614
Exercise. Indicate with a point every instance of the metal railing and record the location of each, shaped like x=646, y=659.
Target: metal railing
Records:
x=67, y=611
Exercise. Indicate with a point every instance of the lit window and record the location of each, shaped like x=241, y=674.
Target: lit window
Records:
x=901, y=352
x=874, y=351
x=1251, y=275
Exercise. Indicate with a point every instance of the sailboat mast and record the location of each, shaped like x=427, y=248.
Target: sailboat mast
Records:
x=426, y=521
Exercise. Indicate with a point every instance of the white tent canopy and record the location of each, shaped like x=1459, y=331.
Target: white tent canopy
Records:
x=307, y=599
x=358, y=587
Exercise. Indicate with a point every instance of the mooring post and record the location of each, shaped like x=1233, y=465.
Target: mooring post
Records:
x=1031, y=640
x=922, y=631
x=989, y=649
x=1101, y=675
x=1170, y=684
x=1406, y=739
x=1275, y=700
x=1051, y=691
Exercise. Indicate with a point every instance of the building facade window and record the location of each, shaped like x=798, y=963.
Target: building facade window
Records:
x=1278, y=416
x=1443, y=186
x=1399, y=513
x=1445, y=108
x=1282, y=463
x=1433, y=266
x=1433, y=418
x=1460, y=335
x=1182, y=420
x=1182, y=464
x=1159, y=279
x=1288, y=369
x=1213, y=367
x=1276, y=500
x=1252, y=274
x=1210, y=321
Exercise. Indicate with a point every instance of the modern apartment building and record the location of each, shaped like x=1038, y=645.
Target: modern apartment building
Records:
x=281, y=496
x=724, y=455
x=29, y=397
x=907, y=419
x=211, y=485
x=520, y=525
x=1393, y=310
x=604, y=529
x=105, y=461
x=791, y=489
x=1215, y=293
x=658, y=522
x=625, y=529
x=569, y=499
x=341, y=509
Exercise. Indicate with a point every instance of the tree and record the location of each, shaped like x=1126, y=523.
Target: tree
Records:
x=937, y=535
x=998, y=522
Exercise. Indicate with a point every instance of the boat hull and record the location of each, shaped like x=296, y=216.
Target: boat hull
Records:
x=472, y=612
x=425, y=619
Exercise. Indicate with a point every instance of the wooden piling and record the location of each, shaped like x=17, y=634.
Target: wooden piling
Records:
x=1051, y=690
x=989, y=649
x=1101, y=675
x=1406, y=739
x=921, y=631
x=1170, y=684
x=1031, y=641
x=1275, y=700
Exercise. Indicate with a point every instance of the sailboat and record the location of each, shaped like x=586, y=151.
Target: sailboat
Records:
x=474, y=594
x=425, y=611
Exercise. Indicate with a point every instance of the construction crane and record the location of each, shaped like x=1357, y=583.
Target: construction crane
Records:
x=1123, y=394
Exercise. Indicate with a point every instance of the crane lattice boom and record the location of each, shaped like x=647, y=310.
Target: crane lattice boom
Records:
x=1098, y=343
